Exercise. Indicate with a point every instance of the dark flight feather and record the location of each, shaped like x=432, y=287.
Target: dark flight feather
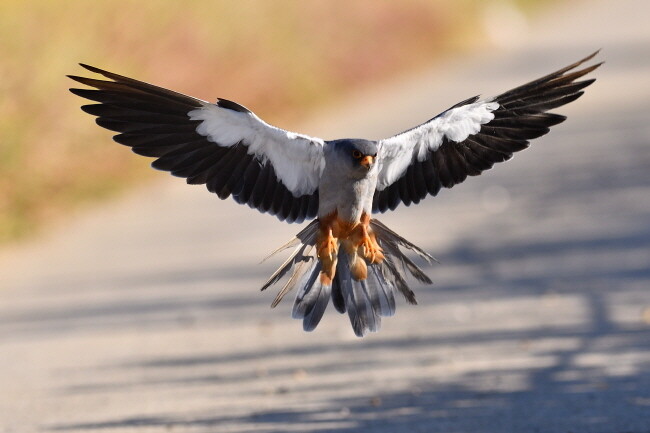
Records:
x=154, y=122
x=521, y=116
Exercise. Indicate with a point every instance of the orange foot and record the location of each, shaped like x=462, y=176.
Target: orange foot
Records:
x=327, y=248
x=358, y=267
x=365, y=241
x=327, y=254
x=370, y=249
x=327, y=251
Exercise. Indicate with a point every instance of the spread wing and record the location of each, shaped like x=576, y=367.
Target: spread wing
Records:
x=224, y=145
x=471, y=136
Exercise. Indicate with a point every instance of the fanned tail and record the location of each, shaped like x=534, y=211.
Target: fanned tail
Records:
x=366, y=301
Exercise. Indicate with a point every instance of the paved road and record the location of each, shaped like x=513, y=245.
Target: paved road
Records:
x=144, y=315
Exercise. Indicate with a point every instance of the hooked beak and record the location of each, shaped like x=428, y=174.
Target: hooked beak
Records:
x=367, y=161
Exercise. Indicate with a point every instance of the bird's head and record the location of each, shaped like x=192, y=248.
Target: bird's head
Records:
x=360, y=155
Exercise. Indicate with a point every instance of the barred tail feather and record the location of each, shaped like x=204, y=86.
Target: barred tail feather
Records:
x=365, y=301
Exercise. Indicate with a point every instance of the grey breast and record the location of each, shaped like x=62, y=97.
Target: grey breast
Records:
x=342, y=188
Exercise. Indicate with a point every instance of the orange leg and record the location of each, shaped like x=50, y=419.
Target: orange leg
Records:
x=358, y=241
x=358, y=267
x=327, y=248
x=365, y=241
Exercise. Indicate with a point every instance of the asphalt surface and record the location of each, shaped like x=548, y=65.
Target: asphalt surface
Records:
x=144, y=315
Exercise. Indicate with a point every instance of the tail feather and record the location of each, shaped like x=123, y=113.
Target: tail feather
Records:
x=362, y=305
x=304, y=240
x=305, y=297
x=405, y=263
x=399, y=281
x=306, y=236
x=312, y=298
x=337, y=294
x=385, y=290
x=297, y=256
x=366, y=318
x=313, y=316
x=365, y=301
x=387, y=235
x=300, y=269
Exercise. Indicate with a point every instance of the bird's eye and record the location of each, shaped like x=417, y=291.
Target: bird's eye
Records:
x=356, y=154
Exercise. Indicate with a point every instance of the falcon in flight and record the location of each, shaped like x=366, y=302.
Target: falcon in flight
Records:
x=344, y=254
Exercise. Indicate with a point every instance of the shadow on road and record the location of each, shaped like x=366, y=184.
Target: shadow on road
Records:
x=564, y=396
x=572, y=390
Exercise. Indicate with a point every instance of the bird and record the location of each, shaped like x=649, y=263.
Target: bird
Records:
x=344, y=255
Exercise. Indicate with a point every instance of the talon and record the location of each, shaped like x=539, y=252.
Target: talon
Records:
x=327, y=252
x=327, y=249
x=370, y=250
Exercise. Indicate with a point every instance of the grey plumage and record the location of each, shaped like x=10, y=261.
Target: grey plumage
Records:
x=346, y=187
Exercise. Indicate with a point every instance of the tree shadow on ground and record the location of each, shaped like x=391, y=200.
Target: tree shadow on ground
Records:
x=574, y=391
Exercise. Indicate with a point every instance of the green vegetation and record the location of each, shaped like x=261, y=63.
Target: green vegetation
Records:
x=281, y=57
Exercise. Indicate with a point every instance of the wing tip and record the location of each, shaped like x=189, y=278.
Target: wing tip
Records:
x=591, y=56
x=89, y=67
x=584, y=60
x=97, y=70
x=77, y=78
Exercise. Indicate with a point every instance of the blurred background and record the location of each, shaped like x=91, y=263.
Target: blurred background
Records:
x=129, y=300
x=283, y=59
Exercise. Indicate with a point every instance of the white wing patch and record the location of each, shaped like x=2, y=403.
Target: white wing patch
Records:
x=456, y=124
x=297, y=159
